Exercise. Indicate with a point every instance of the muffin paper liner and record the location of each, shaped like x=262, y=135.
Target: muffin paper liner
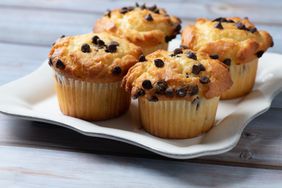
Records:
x=243, y=77
x=177, y=118
x=89, y=100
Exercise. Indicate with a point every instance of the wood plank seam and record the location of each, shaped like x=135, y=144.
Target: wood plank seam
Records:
x=87, y=12
x=152, y=156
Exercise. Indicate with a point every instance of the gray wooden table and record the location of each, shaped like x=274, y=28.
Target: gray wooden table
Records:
x=42, y=155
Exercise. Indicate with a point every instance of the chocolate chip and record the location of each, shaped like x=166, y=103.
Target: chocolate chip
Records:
x=196, y=101
x=259, y=53
x=177, y=51
x=85, y=48
x=191, y=55
x=229, y=21
x=181, y=92
x=204, y=80
x=169, y=38
x=219, y=19
x=63, y=36
x=159, y=63
x=177, y=28
x=139, y=93
x=192, y=90
x=227, y=61
x=60, y=64
x=146, y=84
x=112, y=48
x=153, y=98
x=100, y=43
x=169, y=92
x=240, y=25
x=123, y=10
x=152, y=8
x=142, y=58
x=218, y=25
x=272, y=44
x=223, y=20
x=187, y=75
x=143, y=6
x=116, y=70
x=161, y=86
x=137, y=4
x=157, y=11
x=214, y=56
x=50, y=62
x=95, y=39
x=130, y=8
x=149, y=17
x=196, y=69
x=107, y=50
x=202, y=67
x=253, y=30
x=108, y=13
x=172, y=37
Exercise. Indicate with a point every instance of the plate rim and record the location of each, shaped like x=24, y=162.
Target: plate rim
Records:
x=113, y=137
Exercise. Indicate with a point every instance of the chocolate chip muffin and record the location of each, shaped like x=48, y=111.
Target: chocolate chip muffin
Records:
x=151, y=28
x=178, y=92
x=234, y=41
x=88, y=72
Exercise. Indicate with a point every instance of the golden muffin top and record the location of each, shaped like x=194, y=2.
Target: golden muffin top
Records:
x=227, y=38
x=98, y=57
x=140, y=24
x=181, y=74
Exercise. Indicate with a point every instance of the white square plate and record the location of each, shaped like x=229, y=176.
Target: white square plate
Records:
x=33, y=97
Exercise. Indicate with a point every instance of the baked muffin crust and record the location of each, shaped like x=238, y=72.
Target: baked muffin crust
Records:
x=230, y=38
x=182, y=74
x=98, y=57
x=141, y=25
